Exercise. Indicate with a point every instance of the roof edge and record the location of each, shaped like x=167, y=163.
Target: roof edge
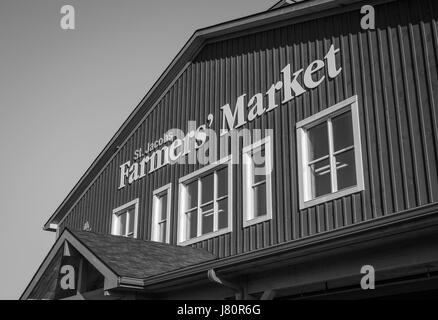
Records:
x=409, y=223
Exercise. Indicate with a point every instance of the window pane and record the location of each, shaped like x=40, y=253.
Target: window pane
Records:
x=342, y=131
x=259, y=170
x=131, y=220
x=207, y=185
x=346, y=169
x=223, y=213
x=258, y=177
x=222, y=182
x=207, y=218
x=320, y=178
x=207, y=224
x=162, y=232
x=259, y=200
x=318, y=141
x=259, y=157
x=192, y=195
x=207, y=208
x=192, y=224
x=163, y=207
x=122, y=225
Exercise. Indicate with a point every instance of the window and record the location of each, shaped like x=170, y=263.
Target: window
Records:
x=205, y=203
x=161, y=214
x=257, y=172
x=125, y=219
x=329, y=154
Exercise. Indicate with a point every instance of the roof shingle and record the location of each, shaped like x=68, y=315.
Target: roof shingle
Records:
x=138, y=258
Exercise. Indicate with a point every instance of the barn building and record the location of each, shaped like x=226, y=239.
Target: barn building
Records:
x=277, y=157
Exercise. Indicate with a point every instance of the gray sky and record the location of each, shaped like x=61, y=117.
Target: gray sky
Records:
x=63, y=94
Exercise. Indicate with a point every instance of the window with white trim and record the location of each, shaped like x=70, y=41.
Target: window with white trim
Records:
x=257, y=173
x=329, y=154
x=161, y=214
x=205, y=203
x=125, y=220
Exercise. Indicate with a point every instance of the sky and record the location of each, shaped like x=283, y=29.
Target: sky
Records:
x=64, y=93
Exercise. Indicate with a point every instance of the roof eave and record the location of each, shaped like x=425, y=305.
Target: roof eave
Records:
x=277, y=5
x=415, y=222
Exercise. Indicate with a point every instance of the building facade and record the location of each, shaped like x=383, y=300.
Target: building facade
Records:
x=275, y=157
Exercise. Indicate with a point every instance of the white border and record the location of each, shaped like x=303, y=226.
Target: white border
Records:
x=116, y=212
x=181, y=203
x=154, y=228
x=303, y=178
x=248, y=206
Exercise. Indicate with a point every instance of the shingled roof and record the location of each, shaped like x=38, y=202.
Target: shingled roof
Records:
x=140, y=259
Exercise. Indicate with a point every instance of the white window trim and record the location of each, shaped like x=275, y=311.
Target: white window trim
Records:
x=303, y=172
x=122, y=208
x=248, y=202
x=181, y=218
x=156, y=194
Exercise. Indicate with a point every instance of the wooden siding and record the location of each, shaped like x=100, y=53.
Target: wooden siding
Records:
x=392, y=69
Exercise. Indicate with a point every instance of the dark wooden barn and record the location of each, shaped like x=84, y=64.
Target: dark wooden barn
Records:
x=341, y=174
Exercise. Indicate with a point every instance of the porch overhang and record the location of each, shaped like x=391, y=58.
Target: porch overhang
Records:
x=123, y=263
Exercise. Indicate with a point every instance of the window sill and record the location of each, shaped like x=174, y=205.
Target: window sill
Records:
x=124, y=236
x=330, y=197
x=248, y=223
x=205, y=237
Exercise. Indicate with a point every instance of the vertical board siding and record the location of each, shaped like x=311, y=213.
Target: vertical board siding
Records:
x=392, y=69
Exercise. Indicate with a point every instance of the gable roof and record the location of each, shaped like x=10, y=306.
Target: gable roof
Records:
x=294, y=13
x=117, y=258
